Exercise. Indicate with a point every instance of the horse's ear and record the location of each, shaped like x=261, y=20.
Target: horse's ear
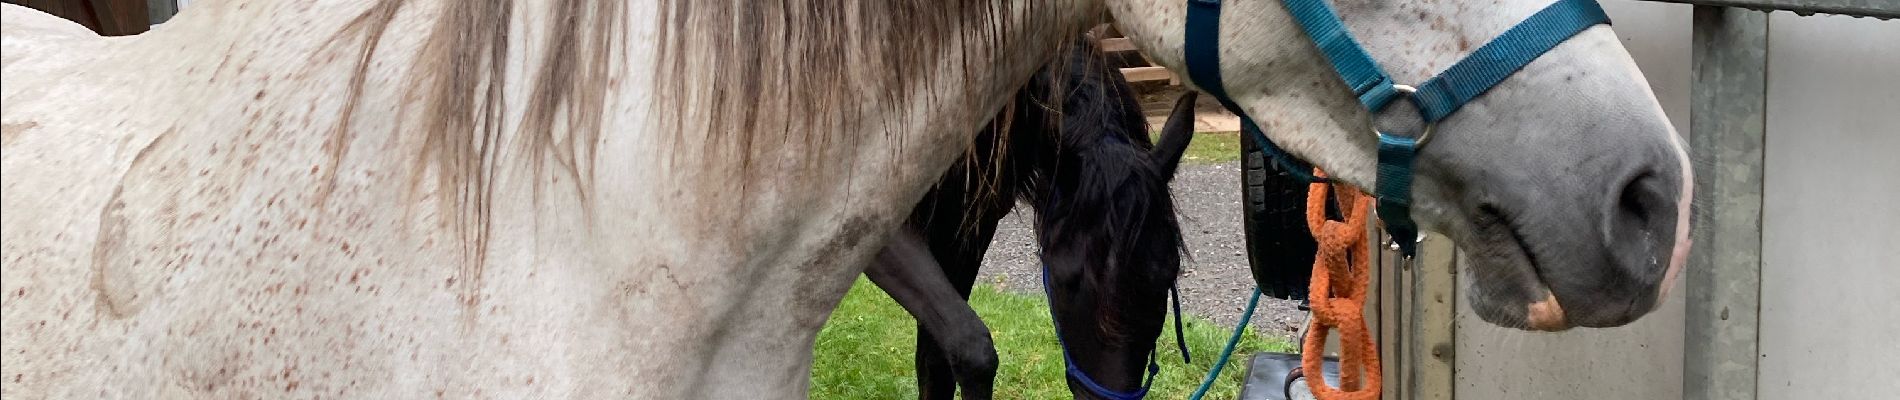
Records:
x=1175, y=135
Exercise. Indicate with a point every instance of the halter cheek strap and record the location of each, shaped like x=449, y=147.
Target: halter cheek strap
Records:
x=1436, y=99
x=1203, y=62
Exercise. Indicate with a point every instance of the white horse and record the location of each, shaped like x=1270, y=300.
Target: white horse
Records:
x=665, y=199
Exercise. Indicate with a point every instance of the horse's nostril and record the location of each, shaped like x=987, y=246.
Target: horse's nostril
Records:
x=1639, y=197
x=1638, y=222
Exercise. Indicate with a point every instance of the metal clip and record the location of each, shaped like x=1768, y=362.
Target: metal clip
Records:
x=1394, y=244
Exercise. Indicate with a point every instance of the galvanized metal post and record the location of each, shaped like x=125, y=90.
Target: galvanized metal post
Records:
x=1436, y=344
x=1416, y=317
x=1720, y=359
x=160, y=11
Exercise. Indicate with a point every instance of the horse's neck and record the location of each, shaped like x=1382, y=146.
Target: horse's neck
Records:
x=328, y=91
x=1278, y=76
x=1275, y=74
x=269, y=134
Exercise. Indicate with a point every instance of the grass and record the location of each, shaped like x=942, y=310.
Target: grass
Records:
x=865, y=350
x=1211, y=147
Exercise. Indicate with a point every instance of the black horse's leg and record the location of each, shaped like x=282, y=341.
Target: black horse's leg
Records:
x=960, y=257
x=936, y=379
x=908, y=271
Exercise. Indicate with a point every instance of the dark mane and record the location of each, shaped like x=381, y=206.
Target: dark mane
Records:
x=1079, y=156
x=1078, y=152
x=1106, y=190
x=1093, y=159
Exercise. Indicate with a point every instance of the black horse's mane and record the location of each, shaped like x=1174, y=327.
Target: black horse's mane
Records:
x=1073, y=144
x=1097, y=178
x=1079, y=153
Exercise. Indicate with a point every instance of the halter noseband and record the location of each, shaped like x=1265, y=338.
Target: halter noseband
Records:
x=1436, y=99
x=1154, y=365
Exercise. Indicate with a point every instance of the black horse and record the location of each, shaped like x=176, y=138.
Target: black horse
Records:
x=1077, y=151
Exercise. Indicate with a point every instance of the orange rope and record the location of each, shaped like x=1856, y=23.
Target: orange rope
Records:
x=1340, y=304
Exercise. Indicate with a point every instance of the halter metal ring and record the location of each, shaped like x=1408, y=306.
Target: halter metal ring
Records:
x=1408, y=91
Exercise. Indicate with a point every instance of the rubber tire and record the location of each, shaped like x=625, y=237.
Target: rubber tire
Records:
x=1279, y=246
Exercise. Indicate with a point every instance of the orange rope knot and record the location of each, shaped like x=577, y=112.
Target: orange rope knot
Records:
x=1340, y=304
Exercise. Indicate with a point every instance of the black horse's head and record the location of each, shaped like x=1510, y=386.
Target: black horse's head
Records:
x=1106, y=221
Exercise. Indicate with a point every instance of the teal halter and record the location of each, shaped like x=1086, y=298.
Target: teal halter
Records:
x=1436, y=99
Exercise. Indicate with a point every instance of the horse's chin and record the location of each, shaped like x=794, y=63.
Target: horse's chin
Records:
x=1528, y=278
x=1506, y=287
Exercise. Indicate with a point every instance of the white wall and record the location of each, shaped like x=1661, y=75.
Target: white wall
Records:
x=1830, y=312
x=1830, y=284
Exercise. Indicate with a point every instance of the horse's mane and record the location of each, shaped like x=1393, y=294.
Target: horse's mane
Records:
x=460, y=77
x=777, y=73
x=770, y=84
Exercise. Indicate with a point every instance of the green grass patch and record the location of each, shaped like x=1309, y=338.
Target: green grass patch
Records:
x=1210, y=147
x=865, y=350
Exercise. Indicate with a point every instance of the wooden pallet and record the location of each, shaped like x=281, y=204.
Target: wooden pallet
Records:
x=1112, y=42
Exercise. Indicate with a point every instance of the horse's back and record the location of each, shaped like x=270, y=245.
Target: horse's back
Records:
x=30, y=35
x=19, y=22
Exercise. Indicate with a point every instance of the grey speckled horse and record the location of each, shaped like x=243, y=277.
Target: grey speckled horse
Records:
x=665, y=199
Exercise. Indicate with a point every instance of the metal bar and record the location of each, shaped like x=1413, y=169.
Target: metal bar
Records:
x=1882, y=9
x=159, y=11
x=1388, y=291
x=1435, y=289
x=1416, y=318
x=1397, y=290
x=1383, y=301
x=1721, y=331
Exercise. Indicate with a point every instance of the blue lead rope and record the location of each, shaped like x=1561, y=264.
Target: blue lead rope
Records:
x=1227, y=351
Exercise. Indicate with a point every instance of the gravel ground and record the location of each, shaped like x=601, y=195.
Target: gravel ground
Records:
x=1214, y=283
